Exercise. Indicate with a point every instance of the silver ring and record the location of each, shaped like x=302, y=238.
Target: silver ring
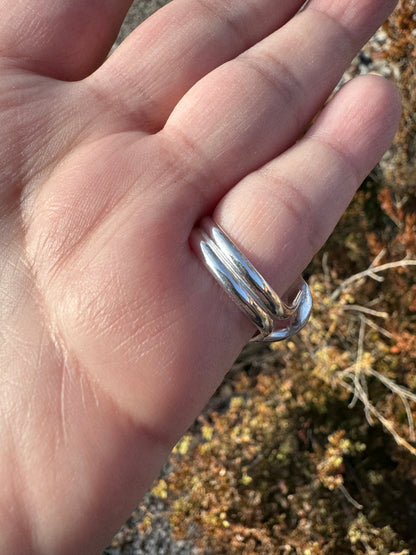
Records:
x=275, y=319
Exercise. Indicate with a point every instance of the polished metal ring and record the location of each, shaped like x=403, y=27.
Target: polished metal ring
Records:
x=276, y=320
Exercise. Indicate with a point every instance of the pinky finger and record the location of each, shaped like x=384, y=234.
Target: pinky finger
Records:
x=282, y=214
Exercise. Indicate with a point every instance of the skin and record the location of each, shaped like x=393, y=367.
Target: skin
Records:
x=113, y=335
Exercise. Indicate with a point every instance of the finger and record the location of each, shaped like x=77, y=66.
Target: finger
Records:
x=180, y=44
x=259, y=103
x=282, y=213
x=66, y=39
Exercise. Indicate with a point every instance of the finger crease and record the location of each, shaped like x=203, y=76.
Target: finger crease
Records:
x=223, y=15
x=297, y=203
x=137, y=119
x=348, y=36
x=290, y=88
x=342, y=156
x=194, y=157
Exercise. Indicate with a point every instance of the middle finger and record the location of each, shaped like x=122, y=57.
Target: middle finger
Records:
x=162, y=59
x=254, y=107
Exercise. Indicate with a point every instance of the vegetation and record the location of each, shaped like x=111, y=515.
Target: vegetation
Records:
x=309, y=447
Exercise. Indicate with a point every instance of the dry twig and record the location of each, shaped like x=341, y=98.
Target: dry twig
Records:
x=371, y=272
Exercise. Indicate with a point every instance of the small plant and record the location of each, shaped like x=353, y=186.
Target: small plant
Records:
x=400, y=50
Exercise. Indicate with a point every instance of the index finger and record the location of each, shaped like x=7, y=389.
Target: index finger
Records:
x=65, y=39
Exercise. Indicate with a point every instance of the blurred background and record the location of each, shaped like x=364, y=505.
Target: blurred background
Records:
x=308, y=447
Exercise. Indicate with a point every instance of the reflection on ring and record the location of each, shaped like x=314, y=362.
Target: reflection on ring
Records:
x=274, y=319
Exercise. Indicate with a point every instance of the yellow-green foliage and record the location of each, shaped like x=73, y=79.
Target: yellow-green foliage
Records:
x=288, y=467
x=401, y=50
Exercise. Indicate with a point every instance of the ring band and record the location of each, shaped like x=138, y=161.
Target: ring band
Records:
x=275, y=319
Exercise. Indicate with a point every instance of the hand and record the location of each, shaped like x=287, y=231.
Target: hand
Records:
x=113, y=335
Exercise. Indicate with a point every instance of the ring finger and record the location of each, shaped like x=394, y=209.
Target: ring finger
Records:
x=283, y=213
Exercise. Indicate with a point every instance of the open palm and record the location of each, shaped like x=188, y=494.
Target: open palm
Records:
x=113, y=335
